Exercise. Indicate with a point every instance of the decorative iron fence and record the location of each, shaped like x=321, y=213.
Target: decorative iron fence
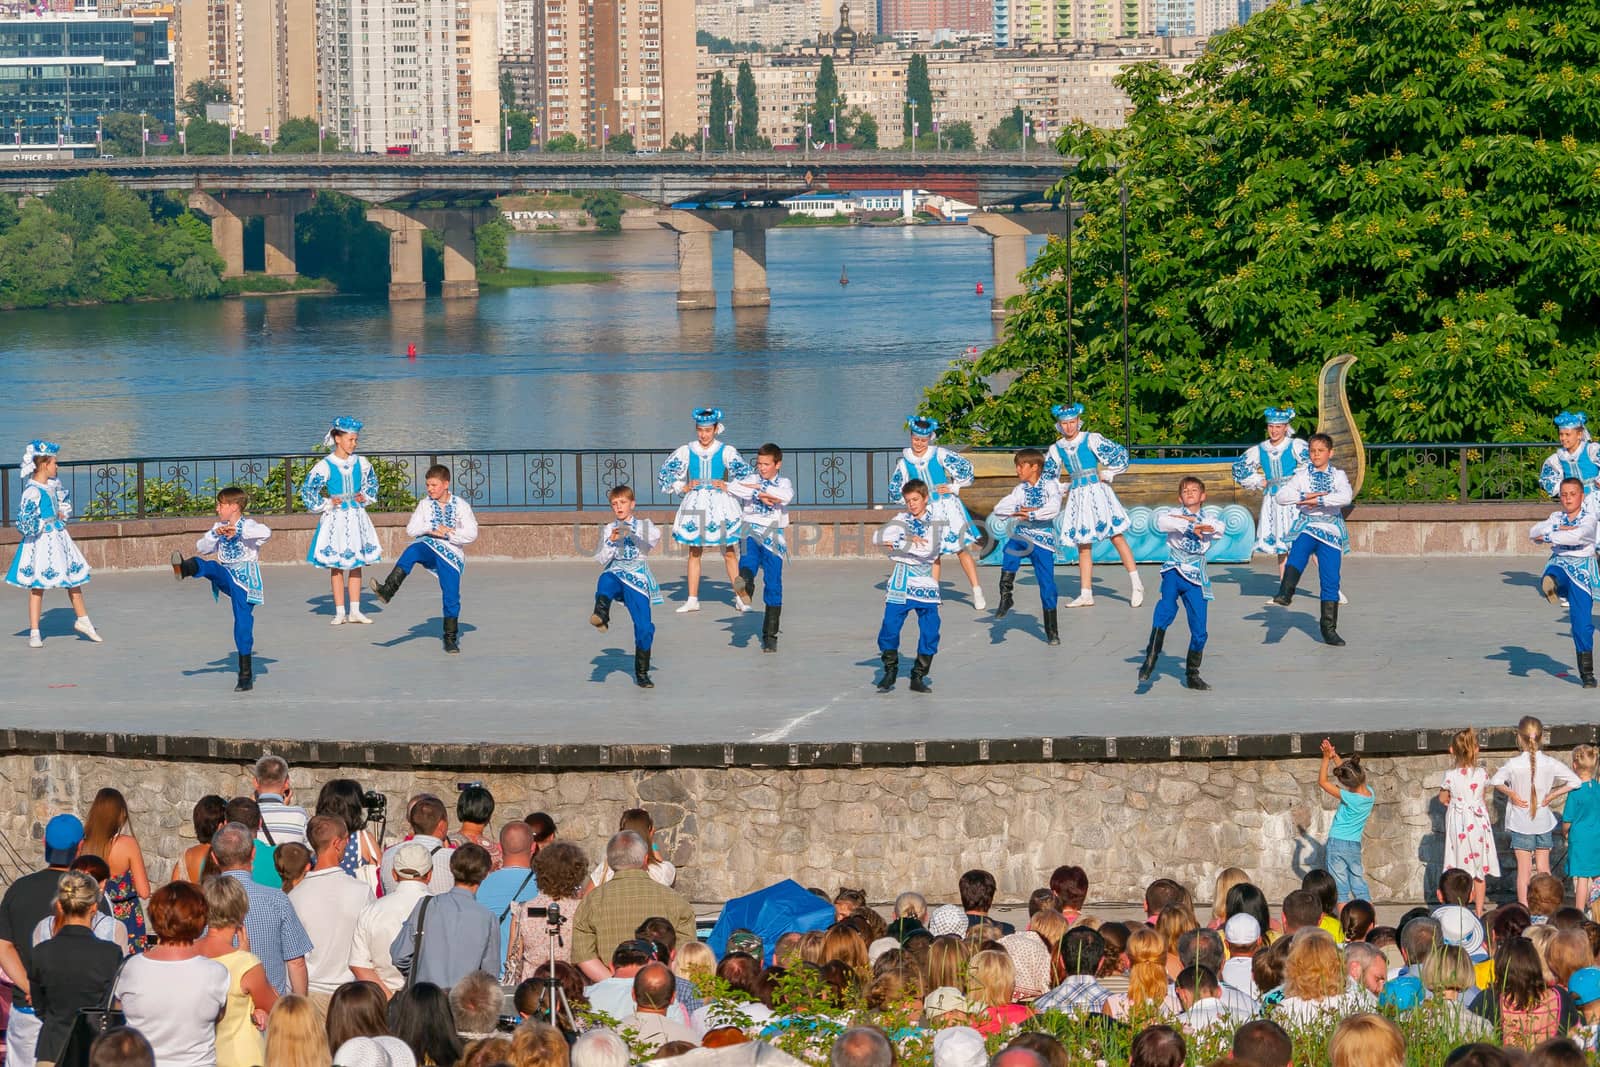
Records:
x=561, y=480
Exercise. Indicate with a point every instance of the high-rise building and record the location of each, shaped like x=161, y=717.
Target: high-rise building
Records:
x=521, y=27
x=619, y=66
x=60, y=74
x=478, y=76
x=263, y=52
x=928, y=17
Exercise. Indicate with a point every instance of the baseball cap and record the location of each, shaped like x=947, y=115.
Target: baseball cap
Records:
x=1241, y=929
x=959, y=1046
x=1584, y=985
x=944, y=1000
x=745, y=941
x=947, y=919
x=62, y=836
x=1458, y=926
x=413, y=860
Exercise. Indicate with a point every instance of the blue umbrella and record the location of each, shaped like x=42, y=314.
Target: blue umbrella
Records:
x=771, y=913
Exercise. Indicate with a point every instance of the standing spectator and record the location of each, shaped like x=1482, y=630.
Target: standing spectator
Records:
x=343, y=798
x=329, y=904
x=653, y=992
x=421, y=1018
x=250, y=996
x=276, y=935
x=1081, y=952
x=1581, y=815
x=102, y=923
x=662, y=871
x=512, y=882
x=977, y=889
x=210, y=812
x=27, y=900
x=106, y=834
x=296, y=1036
x=425, y=815
x=73, y=969
x=543, y=827
x=611, y=913
x=450, y=935
x=281, y=820
x=172, y=994
x=291, y=861
x=1529, y=784
x=263, y=861
x=381, y=920
x=474, y=809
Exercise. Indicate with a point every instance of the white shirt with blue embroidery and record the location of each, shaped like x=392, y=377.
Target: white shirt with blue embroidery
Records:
x=239, y=555
x=1325, y=520
x=763, y=521
x=1268, y=467
x=1043, y=498
x=625, y=557
x=1186, y=546
x=451, y=513
x=1572, y=544
x=913, y=545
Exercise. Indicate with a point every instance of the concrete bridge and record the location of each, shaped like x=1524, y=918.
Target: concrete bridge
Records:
x=451, y=195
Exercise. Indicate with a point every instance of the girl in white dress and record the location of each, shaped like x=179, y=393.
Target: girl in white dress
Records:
x=46, y=557
x=339, y=488
x=1268, y=467
x=1091, y=513
x=945, y=474
x=709, y=515
x=1468, y=830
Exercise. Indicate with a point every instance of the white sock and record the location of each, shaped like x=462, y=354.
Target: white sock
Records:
x=339, y=610
x=1133, y=576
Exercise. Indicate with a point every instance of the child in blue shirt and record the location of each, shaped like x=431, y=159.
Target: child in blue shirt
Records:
x=1348, y=782
x=1582, y=818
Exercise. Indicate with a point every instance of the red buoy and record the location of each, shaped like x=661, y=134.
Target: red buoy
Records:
x=979, y=289
x=411, y=350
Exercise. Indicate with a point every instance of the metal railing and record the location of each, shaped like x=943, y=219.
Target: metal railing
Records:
x=568, y=480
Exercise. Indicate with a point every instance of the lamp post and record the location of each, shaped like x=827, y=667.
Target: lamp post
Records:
x=705, y=137
x=144, y=137
x=1027, y=128
x=605, y=131
x=808, y=142
x=99, y=135
x=733, y=137
x=322, y=132
x=833, y=125
x=938, y=137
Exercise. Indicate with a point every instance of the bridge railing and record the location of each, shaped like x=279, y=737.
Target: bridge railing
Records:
x=572, y=480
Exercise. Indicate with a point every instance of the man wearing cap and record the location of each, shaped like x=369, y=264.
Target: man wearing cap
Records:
x=1584, y=988
x=959, y=1046
x=450, y=935
x=29, y=899
x=614, y=994
x=381, y=920
x=1242, y=936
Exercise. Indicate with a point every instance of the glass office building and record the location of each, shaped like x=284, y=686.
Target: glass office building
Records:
x=60, y=74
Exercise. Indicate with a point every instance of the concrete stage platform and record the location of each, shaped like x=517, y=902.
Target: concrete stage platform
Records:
x=1432, y=644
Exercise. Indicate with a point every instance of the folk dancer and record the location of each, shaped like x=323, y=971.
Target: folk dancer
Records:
x=766, y=495
x=946, y=474
x=1578, y=457
x=236, y=540
x=624, y=544
x=443, y=524
x=1191, y=531
x=1320, y=491
x=1571, y=574
x=709, y=515
x=1268, y=466
x=912, y=543
x=1091, y=513
x=46, y=558
x=338, y=488
x=1034, y=504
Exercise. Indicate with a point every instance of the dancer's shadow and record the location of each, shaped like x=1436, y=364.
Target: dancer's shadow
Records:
x=323, y=605
x=1522, y=662
x=229, y=664
x=1163, y=670
x=433, y=628
x=1251, y=583
x=745, y=628
x=1279, y=621
x=614, y=661
x=55, y=622
x=1001, y=630
x=1521, y=578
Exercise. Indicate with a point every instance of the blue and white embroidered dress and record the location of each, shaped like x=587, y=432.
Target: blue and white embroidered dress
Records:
x=1583, y=464
x=239, y=555
x=942, y=469
x=708, y=516
x=345, y=538
x=1087, y=463
x=453, y=514
x=1186, y=549
x=46, y=557
x=913, y=549
x=1323, y=521
x=1268, y=467
x=625, y=557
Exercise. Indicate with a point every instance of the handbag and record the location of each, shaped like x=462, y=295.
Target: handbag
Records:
x=90, y=1023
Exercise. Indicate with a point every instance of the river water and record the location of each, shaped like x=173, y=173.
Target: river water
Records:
x=569, y=366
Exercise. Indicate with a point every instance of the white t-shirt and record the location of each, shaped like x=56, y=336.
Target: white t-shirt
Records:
x=661, y=872
x=376, y=928
x=1514, y=775
x=104, y=927
x=329, y=902
x=175, y=1005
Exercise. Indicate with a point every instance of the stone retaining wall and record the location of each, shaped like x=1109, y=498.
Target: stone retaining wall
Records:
x=886, y=828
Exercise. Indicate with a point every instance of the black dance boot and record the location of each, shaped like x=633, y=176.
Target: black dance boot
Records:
x=1008, y=579
x=1152, y=652
x=1052, y=627
x=1586, y=669
x=891, y=670
x=452, y=634
x=386, y=589
x=919, y=674
x=641, y=669
x=1330, y=623
x=745, y=587
x=247, y=675
x=184, y=568
x=1287, y=586
x=600, y=618
x=1193, y=680
x=769, y=628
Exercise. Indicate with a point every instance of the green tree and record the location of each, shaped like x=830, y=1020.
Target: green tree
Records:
x=335, y=241
x=919, y=97
x=564, y=142
x=211, y=139
x=493, y=241
x=521, y=124
x=863, y=128
x=722, y=46
x=828, y=100
x=748, y=122
x=122, y=133
x=606, y=207
x=8, y=212
x=1413, y=184
x=1008, y=134
x=721, y=110
x=302, y=137
x=682, y=142
x=620, y=142
x=959, y=136
x=201, y=93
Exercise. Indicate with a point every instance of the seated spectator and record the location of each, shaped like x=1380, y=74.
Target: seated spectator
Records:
x=659, y=931
x=654, y=990
x=1267, y=969
x=1446, y=974
x=475, y=1005
x=1202, y=947
x=296, y=1036
x=741, y=972
x=383, y=1051
x=947, y=962
x=1070, y=886
x=1356, y=918
x=846, y=902
x=1227, y=878
x=862, y=1046
x=1262, y=1043
x=991, y=987
x=600, y=1048
x=1301, y=908
x=1545, y=894
x=1247, y=899
x=1366, y=1040
x=420, y=1016
x=1114, y=965
x=1320, y=884
x=959, y=1046
x=947, y=919
x=1174, y=921
x=1584, y=989
x=1051, y=1050
x=1199, y=995
x=536, y=1044
x=1242, y=935
x=910, y=914
x=786, y=952
x=695, y=961
x=1527, y=1009
x=538, y=1000
x=1367, y=968
x=1050, y=928
x=1315, y=983
x=947, y=1006
x=977, y=889
x=1080, y=991
x=1567, y=953
x=1160, y=895
x=1558, y=1052
x=613, y=996
x=486, y=1051
x=1030, y=960
x=1149, y=989
x=1157, y=1046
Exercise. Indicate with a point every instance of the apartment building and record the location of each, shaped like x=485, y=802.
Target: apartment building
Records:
x=264, y=52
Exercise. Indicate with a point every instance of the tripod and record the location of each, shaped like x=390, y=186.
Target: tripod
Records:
x=555, y=998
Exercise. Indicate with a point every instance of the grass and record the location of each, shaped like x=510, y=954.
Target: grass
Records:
x=523, y=277
x=807, y=220
x=261, y=284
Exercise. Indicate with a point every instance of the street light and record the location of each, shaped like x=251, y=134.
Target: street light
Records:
x=833, y=125
x=99, y=136
x=938, y=137
x=144, y=136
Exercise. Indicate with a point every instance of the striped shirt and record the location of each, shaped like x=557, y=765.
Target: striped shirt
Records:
x=287, y=822
x=1079, y=993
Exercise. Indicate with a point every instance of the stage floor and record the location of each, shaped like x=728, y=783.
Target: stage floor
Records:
x=1432, y=643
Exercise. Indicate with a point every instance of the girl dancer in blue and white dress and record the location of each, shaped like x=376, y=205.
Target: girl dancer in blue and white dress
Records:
x=1578, y=457
x=46, y=557
x=1268, y=467
x=945, y=475
x=339, y=488
x=1087, y=463
x=709, y=516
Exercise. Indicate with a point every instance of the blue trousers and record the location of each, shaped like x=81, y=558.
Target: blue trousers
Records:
x=1044, y=567
x=1329, y=560
x=1173, y=589
x=449, y=577
x=638, y=605
x=1582, y=607
x=894, y=620
x=244, y=612
x=1344, y=863
x=755, y=556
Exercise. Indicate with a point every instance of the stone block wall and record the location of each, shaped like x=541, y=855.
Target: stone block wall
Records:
x=887, y=829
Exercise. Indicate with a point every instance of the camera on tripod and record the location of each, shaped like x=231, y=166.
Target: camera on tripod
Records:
x=375, y=803
x=551, y=915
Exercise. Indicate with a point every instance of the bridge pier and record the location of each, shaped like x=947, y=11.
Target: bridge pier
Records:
x=277, y=211
x=456, y=226
x=750, y=265
x=1009, y=248
x=696, y=289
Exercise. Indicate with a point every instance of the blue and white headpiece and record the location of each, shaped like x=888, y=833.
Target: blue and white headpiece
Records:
x=343, y=424
x=1063, y=412
x=1571, y=420
x=922, y=426
x=709, y=417
x=34, y=450
x=1279, y=416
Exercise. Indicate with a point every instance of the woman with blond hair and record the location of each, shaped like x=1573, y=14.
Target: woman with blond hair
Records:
x=842, y=943
x=536, y=1044
x=108, y=833
x=947, y=962
x=1315, y=982
x=1051, y=928
x=1174, y=921
x=1227, y=878
x=1149, y=989
x=250, y=995
x=295, y=1036
x=1446, y=973
x=991, y=987
x=1367, y=1040
x=695, y=961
